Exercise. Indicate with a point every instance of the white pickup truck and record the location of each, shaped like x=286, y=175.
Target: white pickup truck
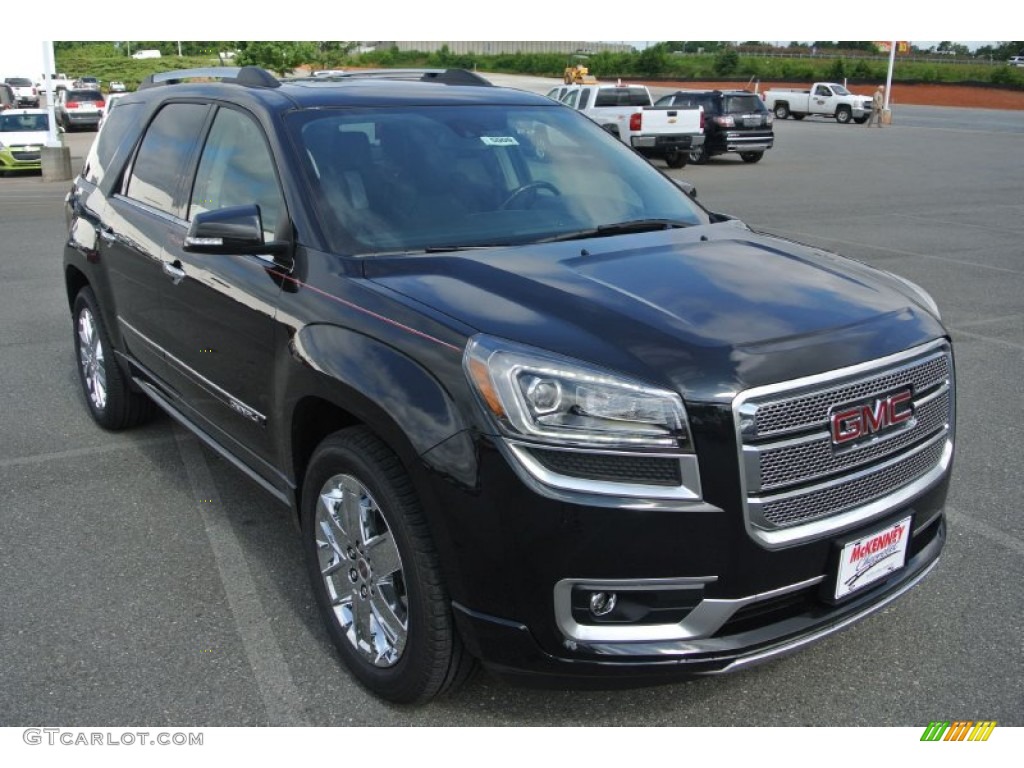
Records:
x=627, y=111
x=824, y=99
x=58, y=82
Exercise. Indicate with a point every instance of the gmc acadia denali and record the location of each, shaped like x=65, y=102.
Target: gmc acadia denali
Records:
x=529, y=402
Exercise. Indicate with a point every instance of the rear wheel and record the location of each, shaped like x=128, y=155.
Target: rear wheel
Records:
x=844, y=115
x=781, y=111
x=676, y=158
x=112, y=402
x=699, y=156
x=375, y=571
x=751, y=157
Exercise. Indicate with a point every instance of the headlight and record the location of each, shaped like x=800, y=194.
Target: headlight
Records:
x=547, y=398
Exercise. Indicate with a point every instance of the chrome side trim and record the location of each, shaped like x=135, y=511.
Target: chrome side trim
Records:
x=232, y=402
x=789, y=647
x=702, y=622
x=689, y=490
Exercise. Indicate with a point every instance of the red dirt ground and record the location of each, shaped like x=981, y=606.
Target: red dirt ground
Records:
x=930, y=95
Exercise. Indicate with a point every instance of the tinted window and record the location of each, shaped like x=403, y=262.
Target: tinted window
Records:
x=622, y=97
x=19, y=82
x=414, y=178
x=164, y=154
x=742, y=104
x=28, y=122
x=237, y=169
x=115, y=128
x=83, y=96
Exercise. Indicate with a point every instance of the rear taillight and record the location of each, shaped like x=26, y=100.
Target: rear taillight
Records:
x=725, y=121
x=635, y=121
x=101, y=104
x=702, y=119
x=72, y=105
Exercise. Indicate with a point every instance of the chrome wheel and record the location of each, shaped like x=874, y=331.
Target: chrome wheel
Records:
x=362, y=570
x=91, y=358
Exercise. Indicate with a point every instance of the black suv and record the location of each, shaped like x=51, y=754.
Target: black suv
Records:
x=529, y=402
x=734, y=121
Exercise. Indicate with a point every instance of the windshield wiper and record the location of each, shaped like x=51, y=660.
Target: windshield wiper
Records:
x=621, y=228
x=453, y=248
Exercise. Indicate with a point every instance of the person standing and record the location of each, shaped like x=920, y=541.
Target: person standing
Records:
x=877, y=105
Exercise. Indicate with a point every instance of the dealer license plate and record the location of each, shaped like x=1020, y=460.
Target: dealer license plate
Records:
x=872, y=557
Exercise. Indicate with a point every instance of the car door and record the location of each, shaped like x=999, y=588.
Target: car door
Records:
x=219, y=309
x=138, y=220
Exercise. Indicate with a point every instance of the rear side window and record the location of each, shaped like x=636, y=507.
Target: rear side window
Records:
x=164, y=154
x=237, y=169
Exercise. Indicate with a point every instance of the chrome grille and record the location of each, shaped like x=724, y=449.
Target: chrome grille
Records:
x=837, y=498
x=793, y=475
x=803, y=461
x=811, y=409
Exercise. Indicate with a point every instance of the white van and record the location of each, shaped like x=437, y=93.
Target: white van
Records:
x=146, y=53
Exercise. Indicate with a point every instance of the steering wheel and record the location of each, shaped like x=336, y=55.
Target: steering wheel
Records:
x=528, y=192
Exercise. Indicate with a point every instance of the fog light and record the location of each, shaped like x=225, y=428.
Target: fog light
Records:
x=602, y=603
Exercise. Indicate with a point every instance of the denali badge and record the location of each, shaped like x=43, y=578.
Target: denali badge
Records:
x=859, y=421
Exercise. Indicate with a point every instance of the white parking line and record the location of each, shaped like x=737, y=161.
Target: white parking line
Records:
x=280, y=696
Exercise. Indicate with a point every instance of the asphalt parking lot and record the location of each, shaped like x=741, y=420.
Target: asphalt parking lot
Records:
x=145, y=581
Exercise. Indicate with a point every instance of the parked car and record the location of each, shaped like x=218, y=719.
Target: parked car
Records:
x=734, y=121
x=7, y=98
x=24, y=91
x=1016, y=61
x=116, y=86
x=77, y=108
x=542, y=409
x=23, y=132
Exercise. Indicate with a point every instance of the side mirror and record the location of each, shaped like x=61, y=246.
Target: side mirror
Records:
x=236, y=231
x=687, y=187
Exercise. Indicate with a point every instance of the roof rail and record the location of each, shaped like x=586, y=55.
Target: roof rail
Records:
x=443, y=76
x=253, y=77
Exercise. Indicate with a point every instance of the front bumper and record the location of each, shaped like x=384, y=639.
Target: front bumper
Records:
x=21, y=159
x=519, y=554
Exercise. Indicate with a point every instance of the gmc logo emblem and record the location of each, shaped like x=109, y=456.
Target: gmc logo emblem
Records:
x=852, y=423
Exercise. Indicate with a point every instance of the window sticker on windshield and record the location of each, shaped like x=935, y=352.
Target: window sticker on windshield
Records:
x=499, y=141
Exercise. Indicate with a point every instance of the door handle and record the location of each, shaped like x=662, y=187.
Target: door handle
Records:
x=174, y=271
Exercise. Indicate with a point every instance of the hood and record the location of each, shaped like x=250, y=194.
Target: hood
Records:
x=708, y=310
x=23, y=138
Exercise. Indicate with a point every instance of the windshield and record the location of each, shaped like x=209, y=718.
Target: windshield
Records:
x=19, y=82
x=416, y=178
x=19, y=123
x=840, y=91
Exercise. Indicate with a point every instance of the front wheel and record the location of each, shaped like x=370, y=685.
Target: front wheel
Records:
x=375, y=571
x=676, y=158
x=844, y=115
x=781, y=111
x=112, y=402
x=751, y=157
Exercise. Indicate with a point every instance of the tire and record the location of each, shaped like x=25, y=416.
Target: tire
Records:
x=751, y=157
x=781, y=110
x=699, y=156
x=113, y=403
x=676, y=158
x=844, y=115
x=375, y=571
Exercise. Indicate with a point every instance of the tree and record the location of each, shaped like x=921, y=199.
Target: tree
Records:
x=279, y=56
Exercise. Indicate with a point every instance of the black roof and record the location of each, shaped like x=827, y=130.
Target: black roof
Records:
x=375, y=88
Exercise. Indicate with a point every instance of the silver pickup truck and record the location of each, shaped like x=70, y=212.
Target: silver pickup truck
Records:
x=627, y=111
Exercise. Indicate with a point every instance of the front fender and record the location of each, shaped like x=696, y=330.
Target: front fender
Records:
x=396, y=396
